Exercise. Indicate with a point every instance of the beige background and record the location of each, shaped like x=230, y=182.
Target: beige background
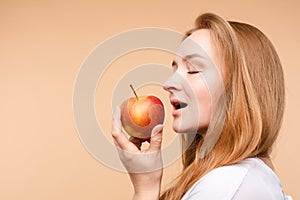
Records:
x=42, y=45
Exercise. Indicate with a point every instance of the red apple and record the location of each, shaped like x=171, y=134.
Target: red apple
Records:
x=140, y=114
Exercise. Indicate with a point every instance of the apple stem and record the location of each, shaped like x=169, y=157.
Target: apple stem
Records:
x=137, y=97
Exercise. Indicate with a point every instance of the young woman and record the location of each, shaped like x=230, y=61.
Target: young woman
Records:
x=233, y=163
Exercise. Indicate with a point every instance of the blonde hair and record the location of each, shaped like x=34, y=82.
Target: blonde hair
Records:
x=255, y=99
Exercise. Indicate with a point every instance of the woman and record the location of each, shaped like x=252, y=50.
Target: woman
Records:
x=233, y=163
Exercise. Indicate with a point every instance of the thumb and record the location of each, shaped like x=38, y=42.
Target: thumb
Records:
x=156, y=138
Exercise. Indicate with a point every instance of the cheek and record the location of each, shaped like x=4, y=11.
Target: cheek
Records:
x=204, y=101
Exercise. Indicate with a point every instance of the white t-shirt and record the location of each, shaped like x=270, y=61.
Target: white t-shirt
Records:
x=250, y=179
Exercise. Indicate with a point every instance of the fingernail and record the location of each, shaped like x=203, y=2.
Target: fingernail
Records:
x=117, y=116
x=116, y=112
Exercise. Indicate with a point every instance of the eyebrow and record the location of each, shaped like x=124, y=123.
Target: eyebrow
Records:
x=187, y=57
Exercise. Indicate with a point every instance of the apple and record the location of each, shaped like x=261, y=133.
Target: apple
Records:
x=139, y=115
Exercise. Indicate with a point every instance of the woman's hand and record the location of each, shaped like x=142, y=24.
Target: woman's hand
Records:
x=144, y=167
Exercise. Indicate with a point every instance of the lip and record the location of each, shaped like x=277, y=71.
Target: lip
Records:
x=178, y=105
x=175, y=113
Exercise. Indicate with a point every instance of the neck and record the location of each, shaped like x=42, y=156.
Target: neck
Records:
x=267, y=161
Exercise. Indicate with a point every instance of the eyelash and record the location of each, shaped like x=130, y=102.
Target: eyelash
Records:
x=193, y=72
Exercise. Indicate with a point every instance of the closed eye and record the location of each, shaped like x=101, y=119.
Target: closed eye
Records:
x=193, y=72
x=191, y=68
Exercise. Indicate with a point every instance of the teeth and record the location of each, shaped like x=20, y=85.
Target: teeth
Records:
x=177, y=105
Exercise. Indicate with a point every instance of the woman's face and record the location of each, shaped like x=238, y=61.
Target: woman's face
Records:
x=192, y=83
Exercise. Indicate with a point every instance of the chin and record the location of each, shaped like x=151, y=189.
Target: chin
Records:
x=182, y=127
x=178, y=130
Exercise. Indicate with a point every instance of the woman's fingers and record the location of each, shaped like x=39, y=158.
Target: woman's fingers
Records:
x=134, y=144
x=120, y=138
x=117, y=117
x=156, y=138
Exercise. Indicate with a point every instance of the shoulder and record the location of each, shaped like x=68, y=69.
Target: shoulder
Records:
x=228, y=182
x=220, y=183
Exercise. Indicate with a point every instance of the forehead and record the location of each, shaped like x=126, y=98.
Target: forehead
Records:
x=202, y=37
x=199, y=42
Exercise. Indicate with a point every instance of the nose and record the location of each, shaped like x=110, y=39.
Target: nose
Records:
x=172, y=83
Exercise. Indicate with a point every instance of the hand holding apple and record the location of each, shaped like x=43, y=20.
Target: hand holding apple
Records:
x=139, y=115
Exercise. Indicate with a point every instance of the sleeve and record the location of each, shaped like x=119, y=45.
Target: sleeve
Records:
x=220, y=184
x=261, y=183
x=287, y=197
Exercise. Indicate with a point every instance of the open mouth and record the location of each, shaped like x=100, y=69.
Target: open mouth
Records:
x=178, y=105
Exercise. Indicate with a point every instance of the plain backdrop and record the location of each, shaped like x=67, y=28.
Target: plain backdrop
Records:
x=42, y=46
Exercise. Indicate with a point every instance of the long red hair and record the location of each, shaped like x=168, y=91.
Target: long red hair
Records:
x=255, y=99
